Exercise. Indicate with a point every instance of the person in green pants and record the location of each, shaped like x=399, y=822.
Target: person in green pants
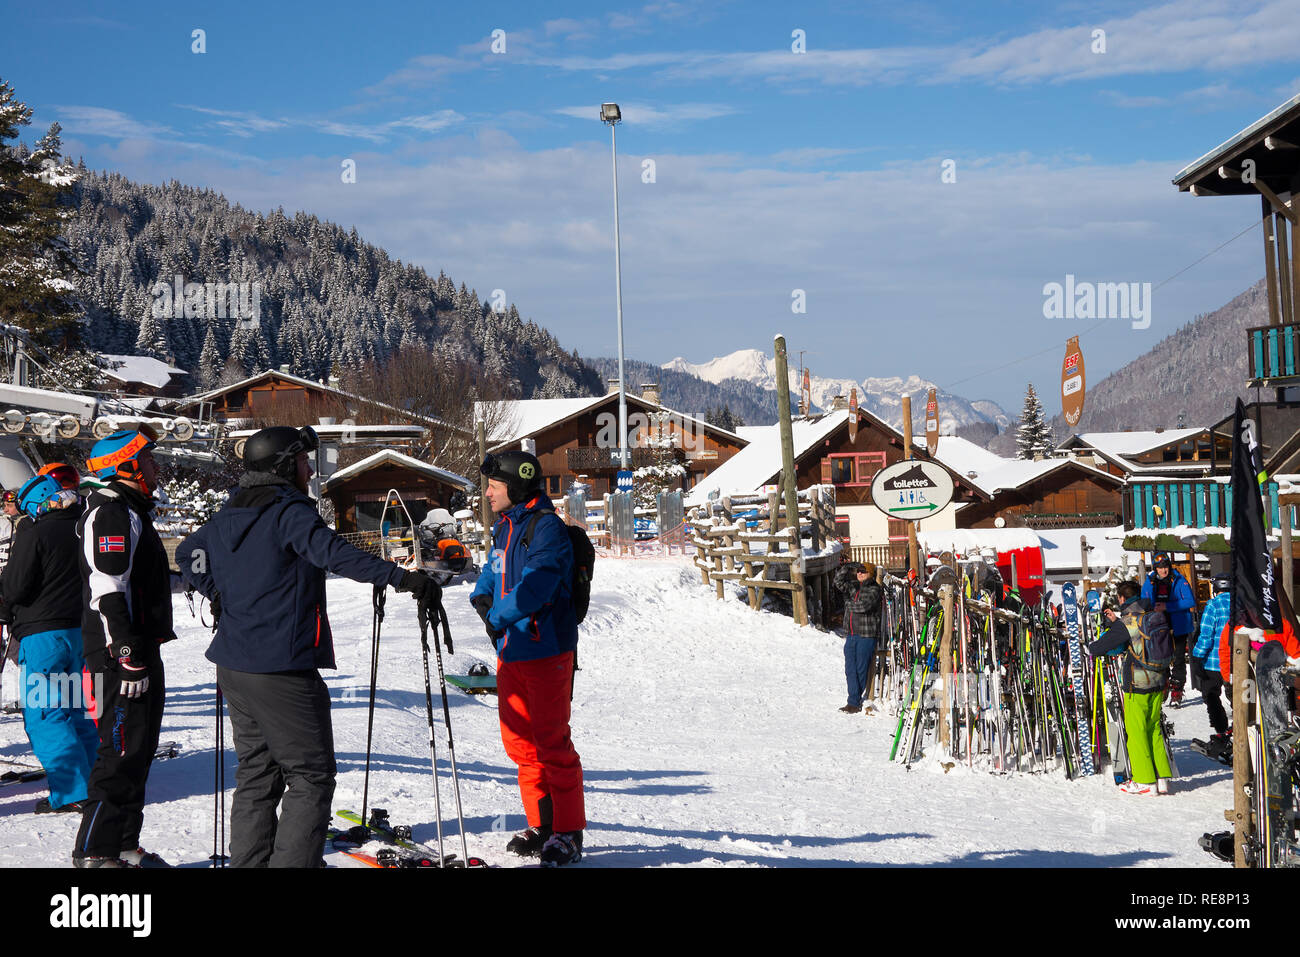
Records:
x=1143, y=637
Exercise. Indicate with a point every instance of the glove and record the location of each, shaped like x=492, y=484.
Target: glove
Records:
x=1197, y=670
x=215, y=604
x=420, y=585
x=135, y=675
x=483, y=604
x=6, y=614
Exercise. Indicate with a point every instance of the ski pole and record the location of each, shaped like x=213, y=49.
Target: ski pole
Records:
x=378, y=603
x=432, y=612
x=219, y=787
x=433, y=749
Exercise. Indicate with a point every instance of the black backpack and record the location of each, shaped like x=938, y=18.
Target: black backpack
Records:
x=584, y=560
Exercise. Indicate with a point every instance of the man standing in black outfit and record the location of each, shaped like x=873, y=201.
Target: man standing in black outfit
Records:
x=126, y=587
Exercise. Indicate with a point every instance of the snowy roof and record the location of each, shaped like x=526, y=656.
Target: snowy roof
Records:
x=992, y=473
x=308, y=383
x=389, y=457
x=759, y=462
x=964, y=540
x=1122, y=444
x=1105, y=548
x=520, y=418
x=143, y=369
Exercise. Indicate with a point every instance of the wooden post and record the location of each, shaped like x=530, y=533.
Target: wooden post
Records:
x=1270, y=261
x=1242, y=775
x=789, y=481
x=485, y=510
x=912, y=556
x=945, y=669
x=1280, y=226
x=1083, y=560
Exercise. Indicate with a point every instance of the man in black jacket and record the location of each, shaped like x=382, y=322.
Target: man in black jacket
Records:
x=862, y=598
x=262, y=560
x=127, y=616
x=42, y=594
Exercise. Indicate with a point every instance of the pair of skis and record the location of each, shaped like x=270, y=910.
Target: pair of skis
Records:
x=401, y=849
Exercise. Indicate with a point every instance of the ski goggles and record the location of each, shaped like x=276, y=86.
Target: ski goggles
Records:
x=62, y=473
x=491, y=466
x=9, y=498
x=307, y=441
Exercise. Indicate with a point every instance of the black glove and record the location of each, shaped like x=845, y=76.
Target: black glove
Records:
x=483, y=604
x=133, y=671
x=215, y=603
x=6, y=614
x=420, y=585
x=1198, y=673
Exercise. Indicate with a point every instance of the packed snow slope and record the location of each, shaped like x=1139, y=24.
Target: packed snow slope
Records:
x=709, y=735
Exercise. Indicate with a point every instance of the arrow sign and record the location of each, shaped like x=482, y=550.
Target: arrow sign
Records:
x=911, y=486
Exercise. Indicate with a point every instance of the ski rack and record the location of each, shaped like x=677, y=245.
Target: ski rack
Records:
x=394, y=548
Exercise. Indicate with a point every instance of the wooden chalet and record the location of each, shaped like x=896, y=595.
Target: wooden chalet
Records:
x=825, y=453
x=144, y=376
x=578, y=438
x=1164, y=452
x=358, y=492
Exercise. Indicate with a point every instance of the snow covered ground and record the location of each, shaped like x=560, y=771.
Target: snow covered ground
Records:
x=709, y=735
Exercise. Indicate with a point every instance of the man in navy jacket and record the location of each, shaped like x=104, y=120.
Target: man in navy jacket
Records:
x=1169, y=592
x=524, y=596
x=262, y=561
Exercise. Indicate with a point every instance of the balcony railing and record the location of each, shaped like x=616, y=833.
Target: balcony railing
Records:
x=1196, y=503
x=1271, y=353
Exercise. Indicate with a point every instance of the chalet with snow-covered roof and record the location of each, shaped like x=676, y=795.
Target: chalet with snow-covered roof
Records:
x=1161, y=452
x=360, y=490
x=144, y=376
x=826, y=454
x=573, y=438
x=280, y=394
x=1040, y=494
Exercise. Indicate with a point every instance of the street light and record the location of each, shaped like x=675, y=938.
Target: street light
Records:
x=611, y=114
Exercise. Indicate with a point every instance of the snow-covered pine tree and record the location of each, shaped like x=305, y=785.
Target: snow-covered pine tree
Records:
x=1034, y=436
x=36, y=265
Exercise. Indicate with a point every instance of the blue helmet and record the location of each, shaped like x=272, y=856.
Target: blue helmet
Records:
x=37, y=493
x=114, y=456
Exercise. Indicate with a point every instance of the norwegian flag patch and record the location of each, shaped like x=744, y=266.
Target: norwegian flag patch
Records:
x=112, y=543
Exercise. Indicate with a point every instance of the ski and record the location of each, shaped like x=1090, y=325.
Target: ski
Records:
x=21, y=777
x=1082, y=724
x=399, y=836
x=1214, y=750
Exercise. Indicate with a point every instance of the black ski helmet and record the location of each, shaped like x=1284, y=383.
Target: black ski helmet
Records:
x=276, y=449
x=520, y=471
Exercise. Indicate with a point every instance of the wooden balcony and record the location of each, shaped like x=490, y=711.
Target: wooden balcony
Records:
x=1196, y=503
x=1271, y=354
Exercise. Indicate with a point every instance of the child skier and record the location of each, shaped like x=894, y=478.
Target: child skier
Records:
x=1144, y=637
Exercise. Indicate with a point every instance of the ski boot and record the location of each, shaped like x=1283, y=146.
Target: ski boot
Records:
x=142, y=858
x=97, y=862
x=1133, y=787
x=563, y=847
x=1220, y=844
x=529, y=843
x=1176, y=694
x=43, y=806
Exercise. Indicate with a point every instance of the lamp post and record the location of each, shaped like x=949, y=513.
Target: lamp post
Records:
x=610, y=113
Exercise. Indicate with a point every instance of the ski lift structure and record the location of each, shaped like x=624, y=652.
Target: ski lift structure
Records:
x=64, y=414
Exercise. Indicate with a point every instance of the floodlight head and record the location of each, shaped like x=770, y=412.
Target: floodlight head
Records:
x=610, y=113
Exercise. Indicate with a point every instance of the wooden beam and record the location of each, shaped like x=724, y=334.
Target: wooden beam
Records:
x=1277, y=143
x=1275, y=202
x=1241, y=769
x=1270, y=261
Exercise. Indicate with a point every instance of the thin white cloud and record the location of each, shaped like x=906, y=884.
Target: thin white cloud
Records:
x=238, y=122
x=100, y=121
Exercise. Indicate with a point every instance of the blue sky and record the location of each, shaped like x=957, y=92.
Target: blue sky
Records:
x=775, y=170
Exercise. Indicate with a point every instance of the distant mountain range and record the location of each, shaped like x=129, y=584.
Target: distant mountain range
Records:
x=978, y=420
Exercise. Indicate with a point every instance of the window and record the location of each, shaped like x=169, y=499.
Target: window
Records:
x=554, y=485
x=856, y=468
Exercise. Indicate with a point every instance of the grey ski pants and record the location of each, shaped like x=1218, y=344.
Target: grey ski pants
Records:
x=284, y=742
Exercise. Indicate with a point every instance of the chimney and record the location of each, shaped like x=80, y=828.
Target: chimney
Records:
x=284, y=368
x=333, y=382
x=650, y=392
x=838, y=403
x=613, y=386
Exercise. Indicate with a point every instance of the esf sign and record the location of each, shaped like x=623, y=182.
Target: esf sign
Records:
x=911, y=490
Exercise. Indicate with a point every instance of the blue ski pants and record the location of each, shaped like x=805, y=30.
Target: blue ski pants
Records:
x=63, y=738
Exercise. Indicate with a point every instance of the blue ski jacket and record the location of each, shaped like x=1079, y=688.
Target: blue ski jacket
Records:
x=265, y=555
x=1180, y=604
x=530, y=585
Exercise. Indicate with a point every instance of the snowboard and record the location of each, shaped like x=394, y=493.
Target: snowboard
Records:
x=474, y=684
x=1070, y=606
x=1277, y=822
